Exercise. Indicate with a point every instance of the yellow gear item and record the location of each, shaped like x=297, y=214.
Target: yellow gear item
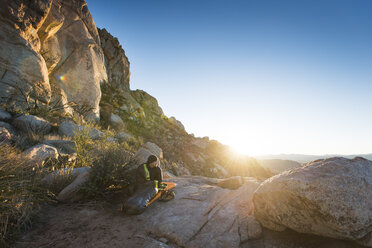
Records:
x=147, y=173
x=156, y=183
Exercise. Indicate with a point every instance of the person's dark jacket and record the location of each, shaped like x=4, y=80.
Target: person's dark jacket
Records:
x=155, y=174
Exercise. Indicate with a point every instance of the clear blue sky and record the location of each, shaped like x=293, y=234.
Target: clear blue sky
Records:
x=265, y=77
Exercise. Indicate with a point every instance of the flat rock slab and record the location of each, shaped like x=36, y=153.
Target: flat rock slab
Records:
x=203, y=214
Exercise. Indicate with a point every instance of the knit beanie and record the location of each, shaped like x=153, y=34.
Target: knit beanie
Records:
x=152, y=158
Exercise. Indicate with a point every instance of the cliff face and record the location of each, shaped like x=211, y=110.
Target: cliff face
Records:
x=116, y=62
x=50, y=51
x=23, y=72
x=75, y=60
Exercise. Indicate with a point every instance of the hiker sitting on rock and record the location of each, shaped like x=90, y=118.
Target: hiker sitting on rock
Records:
x=150, y=171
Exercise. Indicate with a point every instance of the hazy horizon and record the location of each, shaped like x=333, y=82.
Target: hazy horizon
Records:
x=265, y=77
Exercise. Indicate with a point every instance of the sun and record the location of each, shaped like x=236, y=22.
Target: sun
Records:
x=238, y=150
x=246, y=149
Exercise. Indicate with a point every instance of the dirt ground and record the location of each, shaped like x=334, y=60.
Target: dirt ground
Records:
x=86, y=225
x=103, y=225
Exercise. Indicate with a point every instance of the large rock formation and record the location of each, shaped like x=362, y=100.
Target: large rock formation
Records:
x=71, y=47
x=23, y=72
x=329, y=197
x=117, y=63
x=50, y=50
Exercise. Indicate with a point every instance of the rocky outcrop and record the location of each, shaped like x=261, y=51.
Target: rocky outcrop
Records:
x=147, y=102
x=71, y=46
x=23, y=72
x=116, y=61
x=50, y=50
x=328, y=197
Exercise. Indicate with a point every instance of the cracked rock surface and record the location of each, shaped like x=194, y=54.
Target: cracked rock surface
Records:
x=202, y=215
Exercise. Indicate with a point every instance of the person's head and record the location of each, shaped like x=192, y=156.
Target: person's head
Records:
x=152, y=161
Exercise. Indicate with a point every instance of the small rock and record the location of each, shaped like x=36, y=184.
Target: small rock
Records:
x=40, y=153
x=254, y=228
x=249, y=228
x=163, y=240
x=144, y=152
x=65, y=146
x=140, y=156
x=61, y=173
x=5, y=137
x=8, y=127
x=71, y=192
x=30, y=123
x=231, y=183
x=154, y=149
x=167, y=174
x=4, y=116
x=122, y=136
x=112, y=140
x=222, y=171
x=116, y=122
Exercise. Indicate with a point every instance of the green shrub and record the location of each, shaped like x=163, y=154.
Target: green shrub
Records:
x=84, y=146
x=108, y=174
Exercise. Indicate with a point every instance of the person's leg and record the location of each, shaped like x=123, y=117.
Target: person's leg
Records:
x=167, y=195
x=158, y=174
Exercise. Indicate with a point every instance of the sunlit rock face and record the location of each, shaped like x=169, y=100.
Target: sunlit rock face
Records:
x=23, y=71
x=71, y=48
x=50, y=51
x=329, y=197
x=116, y=62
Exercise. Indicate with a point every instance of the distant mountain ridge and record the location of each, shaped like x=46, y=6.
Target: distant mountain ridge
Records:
x=278, y=165
x=303, y=158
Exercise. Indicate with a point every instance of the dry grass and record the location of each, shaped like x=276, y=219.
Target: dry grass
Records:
x=20, y=193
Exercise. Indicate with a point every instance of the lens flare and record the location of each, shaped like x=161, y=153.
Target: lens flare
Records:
x=62, y=78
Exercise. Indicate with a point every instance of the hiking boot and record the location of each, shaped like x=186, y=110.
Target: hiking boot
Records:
x=167, y=196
